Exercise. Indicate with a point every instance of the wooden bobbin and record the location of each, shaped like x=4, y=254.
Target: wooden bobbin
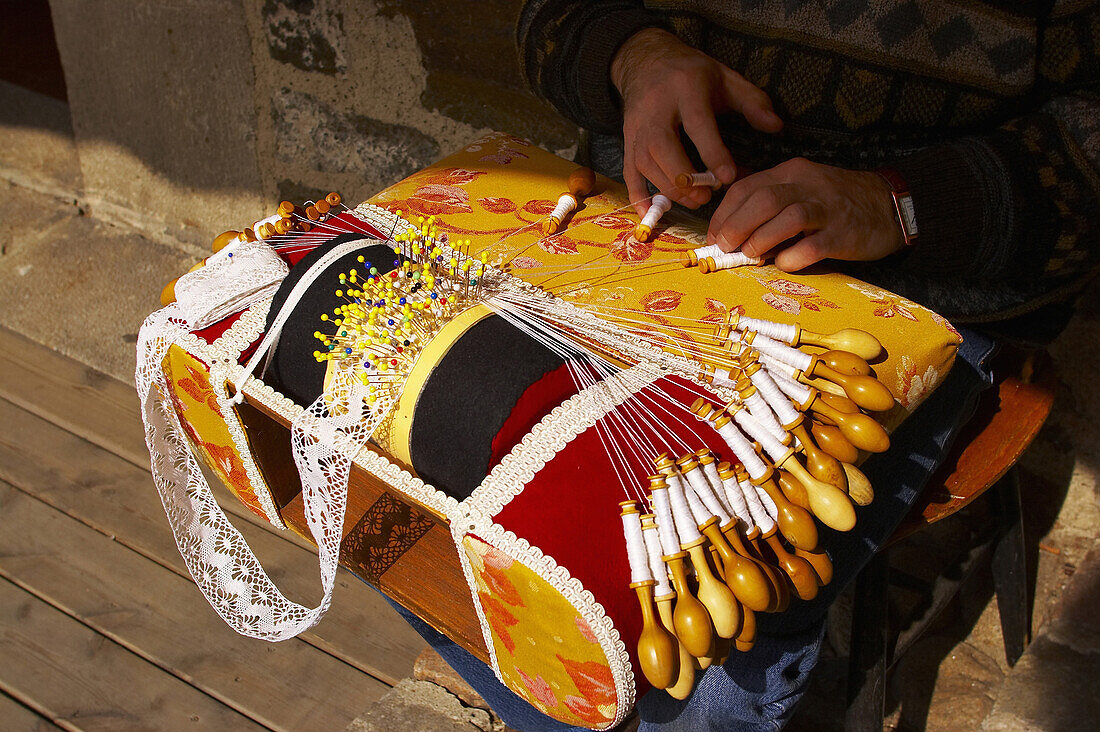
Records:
x=853, y=340
x=690, y=618
x=859, y=487
x=685, y=663
x=224, y=239
x=767, y=561
x=846, y=363
x=820, y=562
x=658, y=654
x=866, y=391
x=829, y=438
x=744, y=578
x=800, y=572
x=792, y=489
x=859, y=429
x=830, y=504
x=821, y=465
x=794, y=522
x=725, y=611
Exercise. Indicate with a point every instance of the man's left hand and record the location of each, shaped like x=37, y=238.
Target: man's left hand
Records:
x=840, y=214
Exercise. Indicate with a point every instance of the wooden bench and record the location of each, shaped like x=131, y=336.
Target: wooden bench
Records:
x=980, y=464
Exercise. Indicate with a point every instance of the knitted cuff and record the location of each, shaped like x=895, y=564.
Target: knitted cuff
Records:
x=951, y=201
x=596, y=96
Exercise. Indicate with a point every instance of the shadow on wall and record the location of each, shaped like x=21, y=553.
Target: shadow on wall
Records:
x=188, y=110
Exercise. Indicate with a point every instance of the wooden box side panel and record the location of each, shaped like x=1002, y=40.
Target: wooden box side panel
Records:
x=394, y=543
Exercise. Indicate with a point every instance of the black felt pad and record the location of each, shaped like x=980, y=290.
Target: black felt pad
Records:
x=293, y=370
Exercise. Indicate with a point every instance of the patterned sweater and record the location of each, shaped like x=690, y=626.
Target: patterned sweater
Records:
x=990, y=111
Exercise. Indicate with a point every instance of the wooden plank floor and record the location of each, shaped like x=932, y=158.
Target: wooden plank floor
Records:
x=100, y=624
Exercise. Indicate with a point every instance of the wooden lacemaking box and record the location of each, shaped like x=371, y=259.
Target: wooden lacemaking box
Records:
x=526, y=566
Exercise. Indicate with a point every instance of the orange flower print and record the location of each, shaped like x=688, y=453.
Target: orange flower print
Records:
x=526, y=262
x=887, y=304
x=614, y=221
x=436, y=198
x=497, y=204
x=912, y=387
x=661, y=301
x=499, y=619
x=452, y=176
x=503, y=156
x=558, y=244
x=197, y=386
x=539, y=207
x=595, y=684
x=790, y=297
x=628, y=249
x=541, y=695
x=717, y=310
x=585, y=629
x=489, y=564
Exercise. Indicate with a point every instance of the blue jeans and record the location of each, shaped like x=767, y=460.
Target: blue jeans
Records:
x=758, y=690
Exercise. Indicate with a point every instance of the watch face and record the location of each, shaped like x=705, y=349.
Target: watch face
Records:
x=908, y=215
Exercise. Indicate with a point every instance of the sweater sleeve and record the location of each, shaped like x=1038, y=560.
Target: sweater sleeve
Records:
x=566, y=48
x=1018, y=208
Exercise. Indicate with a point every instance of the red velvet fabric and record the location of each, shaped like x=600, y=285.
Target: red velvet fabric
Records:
x=570, y=509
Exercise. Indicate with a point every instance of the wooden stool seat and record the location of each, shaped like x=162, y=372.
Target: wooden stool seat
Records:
x=1007, y=419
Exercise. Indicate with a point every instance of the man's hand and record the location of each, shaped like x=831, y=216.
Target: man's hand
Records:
x=841, y=214
x=664, y=84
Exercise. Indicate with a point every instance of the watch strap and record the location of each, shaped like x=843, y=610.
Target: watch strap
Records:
x=903, y=204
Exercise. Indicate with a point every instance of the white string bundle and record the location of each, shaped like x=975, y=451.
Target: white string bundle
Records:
x=636, y=551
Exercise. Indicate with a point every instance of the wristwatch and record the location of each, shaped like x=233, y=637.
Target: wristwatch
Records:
x=903, y=204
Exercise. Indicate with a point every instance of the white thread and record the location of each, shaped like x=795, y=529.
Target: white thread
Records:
x=736, y=500
x=775, y=366
x=729, y=260
x=700, y=485
x=782, y=352
x=666, y=524
x=657, y=568
x=763, y=414
x=566, y=204
x=658, y=208
x=742, y=449
x=706, y=178
x=785, y=332
x=767, y=502
x=635, y=547
x=710, y=250
x=760, y=516
x=710, y=470
x=776, y=399
x=776, y=450
x=687, y=528
x=798, y=392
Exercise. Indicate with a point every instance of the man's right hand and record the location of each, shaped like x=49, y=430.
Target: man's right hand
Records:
x=666, y=84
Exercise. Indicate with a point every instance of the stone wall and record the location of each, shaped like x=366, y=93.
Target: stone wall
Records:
x=195, y=115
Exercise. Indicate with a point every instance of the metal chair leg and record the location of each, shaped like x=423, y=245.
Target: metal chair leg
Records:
x=1010, y=567
x=868, y=662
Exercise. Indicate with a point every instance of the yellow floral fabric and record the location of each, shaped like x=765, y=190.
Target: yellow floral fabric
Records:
x=497, y=191
x=196, y=405
x=546, y=652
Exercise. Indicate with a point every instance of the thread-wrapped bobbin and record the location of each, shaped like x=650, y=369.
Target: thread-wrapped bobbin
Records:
x=783, y=332
x=728, y=260
x=660, y=205
x=635, y=544
x=662, y=509
x=693, y=180
x=653, y=551
x=567, y=203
